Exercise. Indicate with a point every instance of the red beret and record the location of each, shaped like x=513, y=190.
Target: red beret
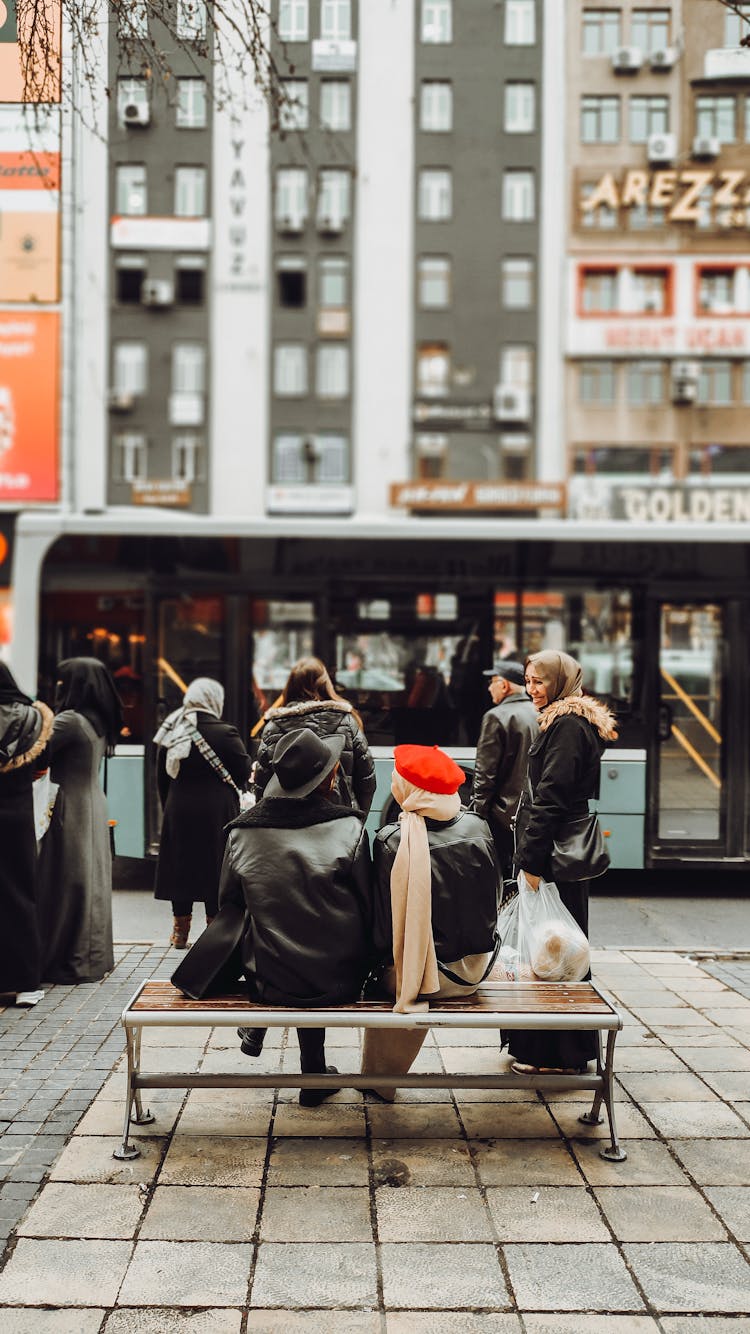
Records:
x=428, y=767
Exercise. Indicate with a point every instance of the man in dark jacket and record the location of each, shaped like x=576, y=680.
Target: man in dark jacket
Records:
x=508, y=729
x=300, y=866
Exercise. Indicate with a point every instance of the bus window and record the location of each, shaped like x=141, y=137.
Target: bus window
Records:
x=595, y=627
x=190, y=644
x=104, y=625
x=282, y=633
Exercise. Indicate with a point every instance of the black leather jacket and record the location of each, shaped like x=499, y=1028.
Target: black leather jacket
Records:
x=508, y=730
x=355, y=783
x=301, y=868
x=466, y=885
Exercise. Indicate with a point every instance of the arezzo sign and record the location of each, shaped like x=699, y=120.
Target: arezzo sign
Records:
x=679, y=192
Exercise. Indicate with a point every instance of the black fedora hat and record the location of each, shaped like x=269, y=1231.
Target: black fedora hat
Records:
x=301, y=761
x=509, y=670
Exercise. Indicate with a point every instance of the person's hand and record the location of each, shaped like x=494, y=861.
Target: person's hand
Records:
x=532, y=880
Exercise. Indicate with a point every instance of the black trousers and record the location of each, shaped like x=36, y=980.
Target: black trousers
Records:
x=312, y=1053
x=184, y=907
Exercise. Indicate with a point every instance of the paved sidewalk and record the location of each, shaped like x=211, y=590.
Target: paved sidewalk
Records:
x=479, y=1213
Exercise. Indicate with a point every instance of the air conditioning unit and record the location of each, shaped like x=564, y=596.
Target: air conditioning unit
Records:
x=684, y=381
x=330, y=225
x=662, y=147
x=627, y=60
x=664, y=58
x=157, y=292
x=706, y=146
x=511, y=404
x=685, y=370
x=136, y=113
x=291, y=224
x=119, y=401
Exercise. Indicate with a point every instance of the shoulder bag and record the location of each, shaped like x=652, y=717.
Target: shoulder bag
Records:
x=578, y=848
x=246, y=799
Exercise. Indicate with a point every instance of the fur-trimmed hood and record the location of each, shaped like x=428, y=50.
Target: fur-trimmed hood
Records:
x=39, y=744
x=304, y=706
x=584, y=706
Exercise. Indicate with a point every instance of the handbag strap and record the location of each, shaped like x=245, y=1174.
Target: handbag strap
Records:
x=461, y=981
x=210, y=755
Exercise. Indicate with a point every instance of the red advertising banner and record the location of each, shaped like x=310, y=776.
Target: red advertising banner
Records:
x=29, y=405
x=30, y=51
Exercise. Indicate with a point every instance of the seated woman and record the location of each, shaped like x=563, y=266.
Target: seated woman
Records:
x=437, y=885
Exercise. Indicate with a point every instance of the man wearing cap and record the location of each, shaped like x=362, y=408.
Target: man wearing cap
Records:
x=508, y=730
x=300, y=866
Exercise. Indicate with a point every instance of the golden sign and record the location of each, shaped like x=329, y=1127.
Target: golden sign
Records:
x=679, y=192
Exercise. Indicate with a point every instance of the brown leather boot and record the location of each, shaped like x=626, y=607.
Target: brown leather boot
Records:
x=180, y=932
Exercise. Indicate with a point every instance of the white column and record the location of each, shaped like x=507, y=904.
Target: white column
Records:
x=384, y=249
x=550, y=415
x=30, y=546
x=238, y=437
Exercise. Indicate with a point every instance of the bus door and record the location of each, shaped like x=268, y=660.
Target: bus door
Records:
x=693, y=760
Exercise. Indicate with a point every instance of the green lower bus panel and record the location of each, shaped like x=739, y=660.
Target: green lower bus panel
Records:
x=125, y=801
x=623, y=835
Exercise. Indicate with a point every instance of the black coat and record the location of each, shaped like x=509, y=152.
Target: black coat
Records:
x=355, y=783
x=564, y=774
x=20, y=950
x=508, y=730
x=301, y=869
x=198, y=804
x=466, y=884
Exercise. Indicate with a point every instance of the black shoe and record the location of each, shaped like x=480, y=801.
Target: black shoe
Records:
x=314, y=1097
x=251, y=1041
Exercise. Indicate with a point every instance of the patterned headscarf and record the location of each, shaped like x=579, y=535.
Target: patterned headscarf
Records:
x=560, y=674
x=175, y=733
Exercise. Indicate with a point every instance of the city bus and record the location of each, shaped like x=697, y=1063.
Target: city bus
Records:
x=408, y=613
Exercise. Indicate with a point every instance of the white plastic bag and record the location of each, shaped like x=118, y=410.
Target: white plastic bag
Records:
x=44, y=792
x=539, y=939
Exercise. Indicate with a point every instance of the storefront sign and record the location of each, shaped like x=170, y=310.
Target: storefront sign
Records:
x=166, y=493
x=434, y=494
x=678, y=192
x=313, y=499
x=160, y=233
x=29, y=203
x=30, y=67
x=466, y=416
x=29, y=368
x=596, y=498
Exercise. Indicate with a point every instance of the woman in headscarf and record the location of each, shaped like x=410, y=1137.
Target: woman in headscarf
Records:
x=25, y=729
x=201, y=763
x=437, y=885
x=563, y=774
x=75, y=869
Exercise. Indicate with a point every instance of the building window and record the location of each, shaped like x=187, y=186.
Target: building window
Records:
x=645, y=383
x=520, y=23
x=601, y=31
x=520, y=108
x=650, y=291
x=720, y=459
x=516, y=366
x=132, y=21
x=188, y=368
x=293, y=20
x=642, y=217
x=601, y=218
x=130, y=368
x=291, y=281
x=191, y=20
x=600, y=119
x=333, y=198
x=626, y=461
x=130, y=457
x=333, y=282
x=191, y=104
x=433, y=282
x=335, y=104
x=130, y=271
x=736, y=24
x=336, y=20
x=649, y=29
x=132, y=97
x=437, y=21
x=436, y=106
x=294, y=108
x=332, y=371
x=433, y=369
x=715, y=117
x=599, y=291
x=190, y=192
x=517, y=283
x=187, y=458
x=290, y=370
x=131, y=199
x=332, y=459
x=596, y=383
x=291, y=196
x=431, y=449
x=287, y=463
x=190, y=275
x=435, y=195
x=648, y=115
x=518, y=196
x=715, y=383
x=716, y=291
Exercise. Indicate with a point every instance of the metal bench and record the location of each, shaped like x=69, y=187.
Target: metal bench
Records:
x=507, y=1005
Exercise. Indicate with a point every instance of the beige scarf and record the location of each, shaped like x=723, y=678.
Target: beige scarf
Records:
x=411, y=893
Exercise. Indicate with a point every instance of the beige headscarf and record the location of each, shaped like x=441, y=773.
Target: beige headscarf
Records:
x=411, y=893
x=560, y=674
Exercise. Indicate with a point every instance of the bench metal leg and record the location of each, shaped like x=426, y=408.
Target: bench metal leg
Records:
x=594, y=1117
x=133, y=1097
x=612, y=1151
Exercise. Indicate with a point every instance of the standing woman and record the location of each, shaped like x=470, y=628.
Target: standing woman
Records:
x=201, y=763
x=563, y=774
x=75, y=869
x=310, y=700
x=25, y=729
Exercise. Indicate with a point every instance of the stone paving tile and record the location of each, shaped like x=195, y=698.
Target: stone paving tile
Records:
x=688, y=1120
x=659, y=1213
x=88, y=1158
x=714, y=1057
x=545, y=1213
x=431, y=1213
x=200, y=1160
x=734, y=1085
x=64, y=1273
x=187, y=1273
x=105, y=1117
x=524, y=1163
x=733, y=1204
x=289, y=1275
x=649, y=1163
x=652, y=1058
x=571, y=1278
x=469, y=1037
x=318, y=1162
x=464, y=1095
x=440, y=1277
x=508, y=1121
x=715, y=1162
x=717, y=1324
x=64, y=1209
x=589, y=1324
x=433, y=1121
x=457, y=1322
x=226, y=1112
x=316, y=1213
x=26, y=1320
x=309, y=1322
x=407, y=1162
x=201, y=1213
x=680, y=1276
x=630, y=1123
x=667, y=1087
x=139, y=1320
x=344, y=1119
